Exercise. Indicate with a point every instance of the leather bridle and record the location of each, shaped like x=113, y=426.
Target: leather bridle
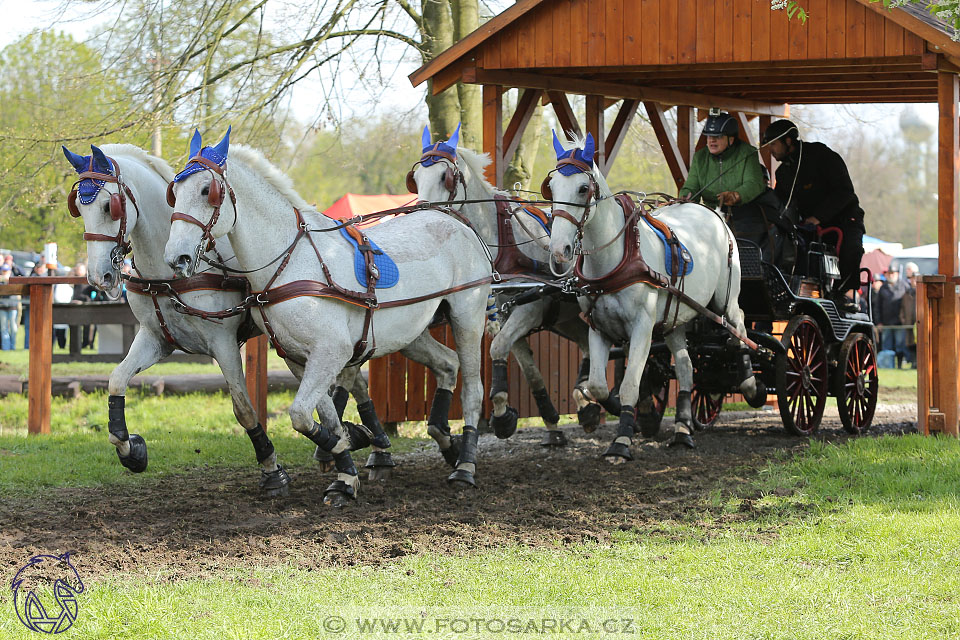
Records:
x=215, y=198
x=547, y=193
x=452, y=176
x=118, y=210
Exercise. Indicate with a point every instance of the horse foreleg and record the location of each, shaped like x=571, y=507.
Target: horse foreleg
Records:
x=146, y=350
x=380, y=462
x=511, y=339
x=619, y=450
x=595, y=390
x=442, y=362
x=274, y=480
x=467, y=325
x=319, y=377
x=683, y=426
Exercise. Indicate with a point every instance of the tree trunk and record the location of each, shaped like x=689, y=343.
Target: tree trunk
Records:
x=466, y=19
x=444, y=109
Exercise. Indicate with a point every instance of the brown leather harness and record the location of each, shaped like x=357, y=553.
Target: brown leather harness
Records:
x=118, y=209
x=510, y=260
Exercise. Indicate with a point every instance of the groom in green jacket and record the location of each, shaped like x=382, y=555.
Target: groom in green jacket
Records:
x=727, y=173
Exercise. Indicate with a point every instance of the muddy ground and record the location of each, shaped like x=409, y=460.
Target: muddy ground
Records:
x=194, y=523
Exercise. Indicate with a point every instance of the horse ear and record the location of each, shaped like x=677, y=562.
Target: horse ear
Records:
x=100, y=162
x=557, y=146
x=426, y=138
x=224, y=145
x=455, y=140
x=196, y=143
x=589, y=147
x=79, y=163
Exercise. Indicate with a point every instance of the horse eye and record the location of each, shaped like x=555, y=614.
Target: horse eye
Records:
x=205, y=191
x=106, y=207
x=583, y=189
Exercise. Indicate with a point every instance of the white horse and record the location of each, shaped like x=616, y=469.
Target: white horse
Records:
x=448, y=173
x=123, y=200
x=308, y=300
x=588, y=227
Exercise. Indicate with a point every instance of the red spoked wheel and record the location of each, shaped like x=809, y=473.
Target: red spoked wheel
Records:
x=706, y=408
x=802, y=376
x=855, y=383
x=653, y=402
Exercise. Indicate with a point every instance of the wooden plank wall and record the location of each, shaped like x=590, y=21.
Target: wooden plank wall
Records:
x=578, y=33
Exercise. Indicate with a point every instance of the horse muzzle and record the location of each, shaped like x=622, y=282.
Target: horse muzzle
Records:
x=182, y=266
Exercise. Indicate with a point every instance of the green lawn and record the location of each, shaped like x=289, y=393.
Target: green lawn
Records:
x=850, y=541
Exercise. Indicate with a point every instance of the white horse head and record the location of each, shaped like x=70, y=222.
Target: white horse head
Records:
x=202, y=190
x=436, y=177
x=110, y=196
x=576, y=185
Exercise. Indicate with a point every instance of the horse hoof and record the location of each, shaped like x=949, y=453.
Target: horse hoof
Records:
x=274, y=483
x=461, y=479
x=505, y=425
x=338, y=494
x=324, y=460
x=379, y=459
x=682, y=439
x=554, y=438
x=760, y=398
x=452, y=455
x=648, y=425
x=589, y=417
x=136, y=460
x=617, y=453
x=381, y=474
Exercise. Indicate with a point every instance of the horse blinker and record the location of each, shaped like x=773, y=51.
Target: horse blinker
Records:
x=72, y=203
x=171, y=196
x=411, y=183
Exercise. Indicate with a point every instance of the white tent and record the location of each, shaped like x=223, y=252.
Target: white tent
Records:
x=890, y=248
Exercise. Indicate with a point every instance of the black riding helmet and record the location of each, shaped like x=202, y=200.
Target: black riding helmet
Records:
x=779, y=130
x=720, y=124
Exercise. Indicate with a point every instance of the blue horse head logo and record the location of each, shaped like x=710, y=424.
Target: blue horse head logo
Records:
x=46, y=577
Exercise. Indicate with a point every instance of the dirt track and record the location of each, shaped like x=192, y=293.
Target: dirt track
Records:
x=190, y=524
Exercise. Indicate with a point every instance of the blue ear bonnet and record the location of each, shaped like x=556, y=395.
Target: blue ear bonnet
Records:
x=447, y=146
x=88, y=188
x=584, y=155
x=216, y=155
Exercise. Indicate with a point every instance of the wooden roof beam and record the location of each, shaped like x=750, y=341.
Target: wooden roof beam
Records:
x=618, y=132
x=611, y=89
x=915, y=25
x=526, y=105
x=671, y=151
x=565, y=115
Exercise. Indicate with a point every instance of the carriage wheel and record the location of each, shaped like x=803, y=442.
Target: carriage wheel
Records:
x=706, y=408
x=802, y=376
x=855, y=383
x=655, y=388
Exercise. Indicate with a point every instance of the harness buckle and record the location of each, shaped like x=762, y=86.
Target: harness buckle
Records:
x=256, y=298
x=496, y=276
x=373, y=303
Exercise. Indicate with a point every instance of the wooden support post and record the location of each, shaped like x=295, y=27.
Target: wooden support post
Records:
x=743, y=125
x=565, y=116
x=255, y=368
x=667, y=143
x=526, y=105
x=925, y=302
x=686, y=128
x=41, y=354
x=946, y=347
x=493, y=132
x=595, y=126
x=618, y=132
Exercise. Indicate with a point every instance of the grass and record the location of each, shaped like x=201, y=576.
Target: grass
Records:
x=850, y=541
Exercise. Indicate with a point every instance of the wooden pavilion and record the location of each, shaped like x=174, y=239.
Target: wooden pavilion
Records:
x=744, y=57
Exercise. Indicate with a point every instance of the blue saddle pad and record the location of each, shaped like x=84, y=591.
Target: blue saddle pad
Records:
x=536, y=218
x=389, y=274
x=685, y=258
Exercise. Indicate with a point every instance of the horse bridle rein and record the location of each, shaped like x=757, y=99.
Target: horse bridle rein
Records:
x=452, y=176
x=215, y=198
x=118, y=209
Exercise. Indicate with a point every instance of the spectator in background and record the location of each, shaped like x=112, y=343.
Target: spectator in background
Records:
x=62, y=294
x=9, y=313
x=908, y=312
x=886, y=313
x=14, y=269
x=84, y=293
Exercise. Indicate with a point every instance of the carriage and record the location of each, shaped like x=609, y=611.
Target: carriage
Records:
x=810, y=349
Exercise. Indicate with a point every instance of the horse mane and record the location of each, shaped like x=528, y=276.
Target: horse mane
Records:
x=477, y=163
x=578, y=142
x=158, y=164
x=277, y=178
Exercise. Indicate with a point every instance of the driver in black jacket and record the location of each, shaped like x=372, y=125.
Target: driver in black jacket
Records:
x=813, y=179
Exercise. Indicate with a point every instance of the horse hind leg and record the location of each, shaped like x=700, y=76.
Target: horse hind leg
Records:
x=442, y=362
x=511, y=338
x=683, y=426
x=146, y=350
x=467, y=319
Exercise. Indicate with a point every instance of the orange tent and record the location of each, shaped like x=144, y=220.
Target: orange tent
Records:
x=353, y=204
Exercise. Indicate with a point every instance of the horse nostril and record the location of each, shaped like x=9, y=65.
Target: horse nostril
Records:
x=183, y=262
x=107, y=277
x=567, y=252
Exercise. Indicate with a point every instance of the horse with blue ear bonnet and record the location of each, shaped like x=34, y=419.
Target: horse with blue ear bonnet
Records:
x=445, y=150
